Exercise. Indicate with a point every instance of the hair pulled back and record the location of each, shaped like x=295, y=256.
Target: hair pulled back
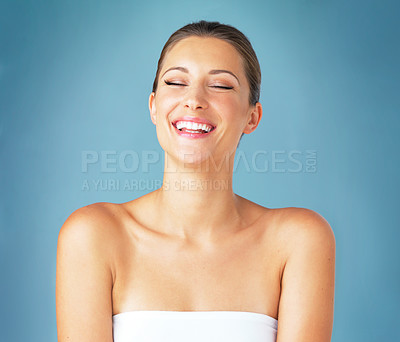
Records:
x=231, y=35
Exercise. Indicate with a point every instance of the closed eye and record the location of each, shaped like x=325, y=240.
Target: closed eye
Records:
x=174, y=83
x=222, y=87
x=184, y=85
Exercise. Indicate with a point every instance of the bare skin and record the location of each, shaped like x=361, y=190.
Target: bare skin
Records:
x=203, y=250
x=228, y=271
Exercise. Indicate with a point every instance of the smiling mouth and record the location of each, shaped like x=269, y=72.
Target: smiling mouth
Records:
x=193, y=127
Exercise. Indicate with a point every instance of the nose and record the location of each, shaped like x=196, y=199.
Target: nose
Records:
x=195, y=98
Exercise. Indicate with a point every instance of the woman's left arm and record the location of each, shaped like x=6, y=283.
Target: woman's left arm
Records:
x=308, y=279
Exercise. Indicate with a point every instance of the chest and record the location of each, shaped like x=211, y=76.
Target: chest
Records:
x=242, y=274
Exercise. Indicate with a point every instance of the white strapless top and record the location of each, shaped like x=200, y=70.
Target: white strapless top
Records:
x=193, y=326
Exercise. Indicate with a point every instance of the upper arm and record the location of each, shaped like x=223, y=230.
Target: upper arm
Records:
x=307, y=294
x=83, y=280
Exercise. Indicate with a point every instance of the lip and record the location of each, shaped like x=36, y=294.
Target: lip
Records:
x=196, y=120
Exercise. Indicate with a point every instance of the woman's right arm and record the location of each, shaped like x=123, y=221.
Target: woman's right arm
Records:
x=84, y=279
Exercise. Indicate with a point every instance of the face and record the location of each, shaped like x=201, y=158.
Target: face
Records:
x=201, y=106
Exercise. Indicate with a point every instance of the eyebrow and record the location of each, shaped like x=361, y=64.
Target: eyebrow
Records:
x=212, y=72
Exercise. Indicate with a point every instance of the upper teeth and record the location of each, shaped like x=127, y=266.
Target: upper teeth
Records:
x=193, y=125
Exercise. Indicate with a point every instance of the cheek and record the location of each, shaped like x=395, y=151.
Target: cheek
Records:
x=165, y=102
x=228, y=105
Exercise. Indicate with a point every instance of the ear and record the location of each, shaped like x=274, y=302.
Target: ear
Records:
x=254, y=118
x=152, y=107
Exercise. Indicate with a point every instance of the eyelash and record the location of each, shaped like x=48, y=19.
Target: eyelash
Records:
x=184, y=85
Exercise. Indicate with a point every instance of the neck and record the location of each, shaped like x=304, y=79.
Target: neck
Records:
x=197, y=201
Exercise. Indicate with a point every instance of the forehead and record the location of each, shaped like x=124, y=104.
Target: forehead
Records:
x=204, y=52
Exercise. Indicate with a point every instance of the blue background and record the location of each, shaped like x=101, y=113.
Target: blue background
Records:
x=75, y=76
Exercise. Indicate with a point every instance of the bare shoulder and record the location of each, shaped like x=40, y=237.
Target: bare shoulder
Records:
x=93, y=227
x=302, y=225
x=291, y=223
x=94, y=211
x=307, y=296
x=85, y=276
x=94, y=220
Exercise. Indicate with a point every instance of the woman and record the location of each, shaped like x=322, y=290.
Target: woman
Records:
x=192, y=261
